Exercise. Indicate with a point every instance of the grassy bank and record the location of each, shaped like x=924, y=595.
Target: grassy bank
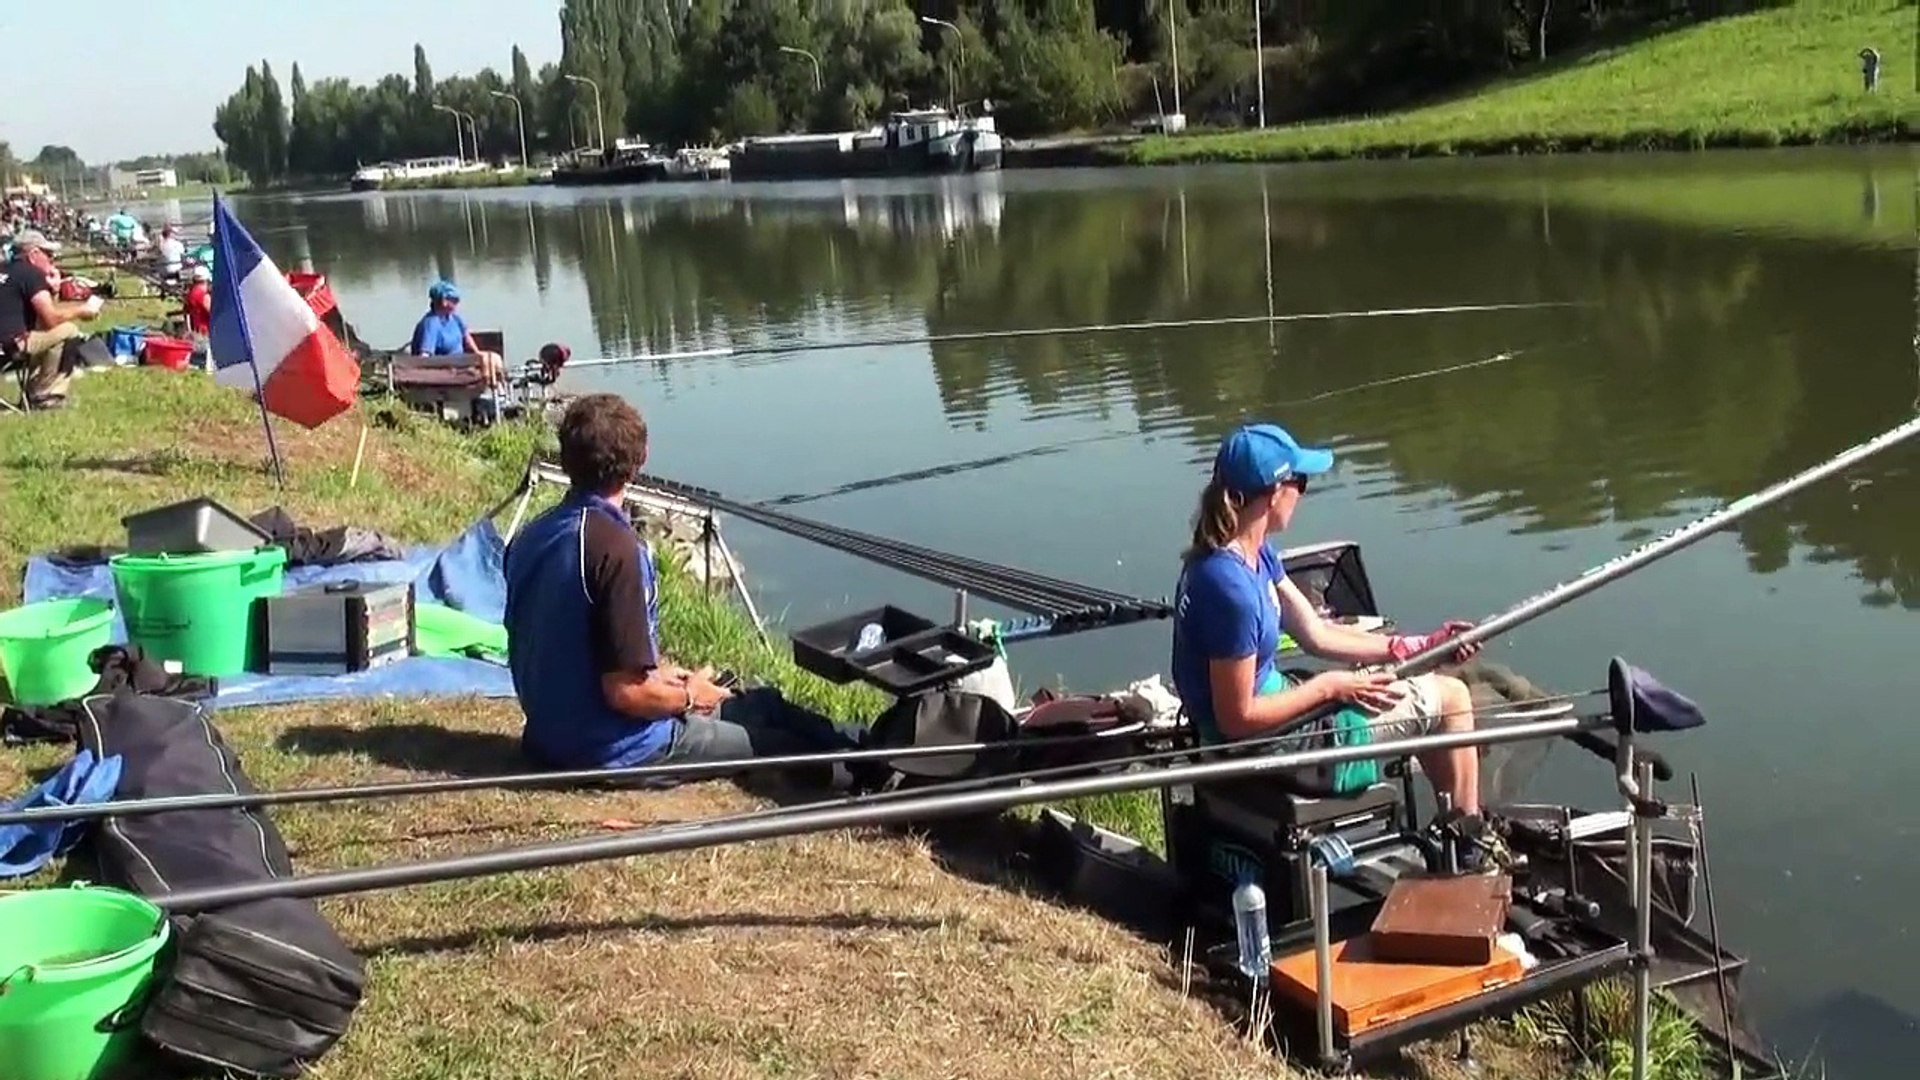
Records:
x=1784, y=77
x=843, y=954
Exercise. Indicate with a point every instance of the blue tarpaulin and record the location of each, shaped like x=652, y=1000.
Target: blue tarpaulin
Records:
x=466, y=575
x=25, y=848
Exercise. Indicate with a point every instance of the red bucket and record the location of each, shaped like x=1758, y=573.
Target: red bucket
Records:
x=168, y=352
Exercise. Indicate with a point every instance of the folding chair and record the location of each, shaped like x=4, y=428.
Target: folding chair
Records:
x=10, y=362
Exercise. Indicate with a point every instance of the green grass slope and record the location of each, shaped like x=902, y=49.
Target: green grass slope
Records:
x=1783, y=77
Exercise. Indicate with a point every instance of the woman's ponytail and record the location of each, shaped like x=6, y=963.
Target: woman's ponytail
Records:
x=1216, y=520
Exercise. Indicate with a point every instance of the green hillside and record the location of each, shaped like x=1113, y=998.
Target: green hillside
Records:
x=1781, y=77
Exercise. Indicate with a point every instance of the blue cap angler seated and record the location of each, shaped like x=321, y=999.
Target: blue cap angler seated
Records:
x=442, y=332
x=583, y=630
x=1233, y=598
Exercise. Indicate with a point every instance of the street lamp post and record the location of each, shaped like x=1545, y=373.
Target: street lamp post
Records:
x=1259, y=64
x=459, y=136
x=960, y=59
x=520, y=117
x=599, y=113
x=474, y=126
x=809, y=56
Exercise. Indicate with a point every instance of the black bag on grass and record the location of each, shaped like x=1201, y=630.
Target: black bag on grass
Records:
x=263, y=988
x=937, y=718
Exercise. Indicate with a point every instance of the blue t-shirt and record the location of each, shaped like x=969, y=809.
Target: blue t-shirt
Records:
x=1224, y=610
x=439, y=335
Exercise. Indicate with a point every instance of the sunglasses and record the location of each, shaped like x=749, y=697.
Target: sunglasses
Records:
x=1297, y=482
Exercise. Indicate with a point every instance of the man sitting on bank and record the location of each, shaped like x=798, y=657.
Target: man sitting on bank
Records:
x=583, y=630
x=34, y=327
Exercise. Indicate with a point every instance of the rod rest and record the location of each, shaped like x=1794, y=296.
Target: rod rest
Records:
x=1604, y=748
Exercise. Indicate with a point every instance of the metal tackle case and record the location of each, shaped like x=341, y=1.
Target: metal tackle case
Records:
x=336, y=628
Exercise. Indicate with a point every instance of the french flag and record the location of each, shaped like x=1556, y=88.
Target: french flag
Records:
x=265, y=338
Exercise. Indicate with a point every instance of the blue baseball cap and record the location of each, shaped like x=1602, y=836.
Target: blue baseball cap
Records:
x=443, y=290
x=1258, y=456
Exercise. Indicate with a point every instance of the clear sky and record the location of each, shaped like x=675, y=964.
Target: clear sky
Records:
x=118, y=78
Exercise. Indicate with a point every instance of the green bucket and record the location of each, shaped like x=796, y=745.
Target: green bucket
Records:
x=75, y=964
x=197, y=609
x=44, y=648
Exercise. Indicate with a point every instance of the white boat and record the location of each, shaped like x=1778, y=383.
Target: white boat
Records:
x=374, y=177
x=908, y=142
x=699, y=163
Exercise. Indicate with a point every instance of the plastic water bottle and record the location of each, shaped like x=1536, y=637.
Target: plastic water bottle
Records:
x=1250, y=921
x=871, y=635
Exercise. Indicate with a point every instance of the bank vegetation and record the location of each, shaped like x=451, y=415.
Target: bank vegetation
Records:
x=708, y=71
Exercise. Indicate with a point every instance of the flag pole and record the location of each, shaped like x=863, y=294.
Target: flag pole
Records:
x=223, y=246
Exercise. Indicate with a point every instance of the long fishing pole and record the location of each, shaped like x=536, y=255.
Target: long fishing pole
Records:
x=1053, y=331
x=1008, y=457
x=1657, y=548
x=658, y=841
x=514, y=781
x=631, y=775
x=1592, y=740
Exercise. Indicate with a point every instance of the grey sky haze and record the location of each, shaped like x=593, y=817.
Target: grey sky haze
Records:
x=118, y=78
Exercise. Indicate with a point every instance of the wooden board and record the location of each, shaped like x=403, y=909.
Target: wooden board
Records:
x=1369, y=992
x=1442, y=920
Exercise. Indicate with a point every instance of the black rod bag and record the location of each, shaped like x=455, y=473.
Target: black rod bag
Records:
x=258, y=989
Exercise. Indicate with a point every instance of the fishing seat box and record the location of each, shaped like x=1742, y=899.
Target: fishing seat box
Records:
x=336, y=628
x=448, y=386
x=1219, y=831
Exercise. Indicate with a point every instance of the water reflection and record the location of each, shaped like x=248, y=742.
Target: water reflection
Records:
x=1718, y=343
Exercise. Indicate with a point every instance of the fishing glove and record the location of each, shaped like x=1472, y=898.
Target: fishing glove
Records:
x=1403, y=646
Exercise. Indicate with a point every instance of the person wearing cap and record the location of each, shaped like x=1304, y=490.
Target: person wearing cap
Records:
x=442, y=332
x=197, y=305
x=34, y=327
x=1233, y=599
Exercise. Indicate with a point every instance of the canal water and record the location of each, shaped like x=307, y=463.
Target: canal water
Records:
x=1723, y=321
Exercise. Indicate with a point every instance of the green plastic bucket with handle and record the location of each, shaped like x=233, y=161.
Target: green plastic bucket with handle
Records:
x=197, y=609
x=75, y=965
x=44, y=648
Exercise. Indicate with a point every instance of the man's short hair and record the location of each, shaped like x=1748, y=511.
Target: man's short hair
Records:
x=603, y=442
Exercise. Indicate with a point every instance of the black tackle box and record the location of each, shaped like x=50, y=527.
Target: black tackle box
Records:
x=914, y=653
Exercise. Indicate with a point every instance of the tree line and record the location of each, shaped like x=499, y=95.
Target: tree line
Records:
x=683, y=72
x=62, y=167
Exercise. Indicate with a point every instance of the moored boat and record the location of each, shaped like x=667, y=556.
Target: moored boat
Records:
x=375, y=177
x=698, y=163
x=630, y=162
x=910, y=142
